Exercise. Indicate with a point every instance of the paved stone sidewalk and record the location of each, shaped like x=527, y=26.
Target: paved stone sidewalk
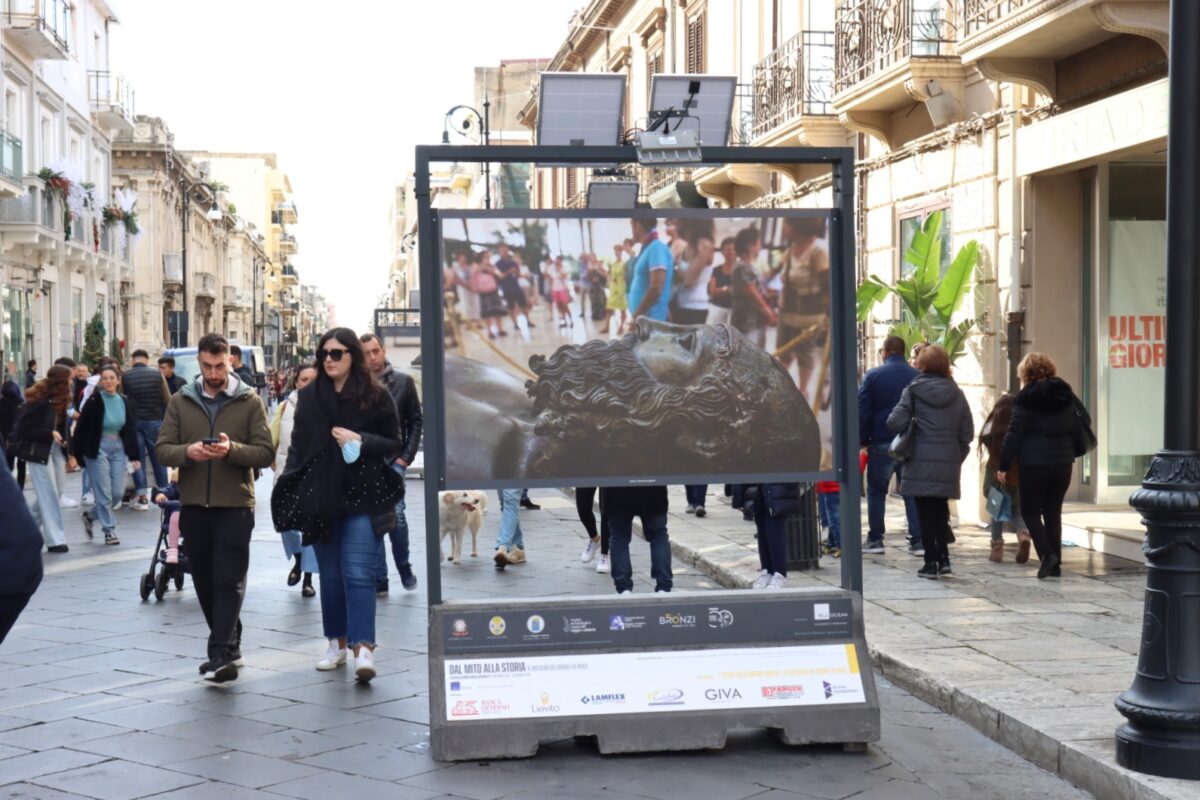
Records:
x=99, y=698
x=1035, y=665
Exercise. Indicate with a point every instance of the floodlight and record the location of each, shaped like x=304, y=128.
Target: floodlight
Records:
x=612, y=194
x=580, y=108
x=700, y=104
x=678, y=149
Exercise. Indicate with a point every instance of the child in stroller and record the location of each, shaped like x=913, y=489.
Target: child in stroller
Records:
x=170, y=557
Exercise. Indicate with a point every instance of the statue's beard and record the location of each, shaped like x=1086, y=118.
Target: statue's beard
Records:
x=601, y=395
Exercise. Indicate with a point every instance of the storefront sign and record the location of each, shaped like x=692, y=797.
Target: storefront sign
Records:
x=648, y=682
x=1127, y=120
x=1137, y=335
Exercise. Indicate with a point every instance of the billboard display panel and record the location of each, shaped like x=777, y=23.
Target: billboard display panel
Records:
x=617, y=348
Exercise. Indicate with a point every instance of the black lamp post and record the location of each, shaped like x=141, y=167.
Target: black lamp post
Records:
x=1162, y=735
x=257, y=265
x=214, y=215
x=483, y=122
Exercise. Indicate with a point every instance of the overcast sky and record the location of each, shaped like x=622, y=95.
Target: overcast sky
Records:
x=342, y=92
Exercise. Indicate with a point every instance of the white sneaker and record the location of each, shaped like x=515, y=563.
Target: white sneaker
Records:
x=88, y=499
x=66, y=502
x=690, y=510
x=117, y=505
x=762, y=580
x=777, y=582
x=335, y=656
x=627, y=591
x=589, y=550
x=364, y=665
x=140, y=504
x=602, y=565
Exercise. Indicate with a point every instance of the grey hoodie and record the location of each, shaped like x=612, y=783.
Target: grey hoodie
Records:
x=943, y=436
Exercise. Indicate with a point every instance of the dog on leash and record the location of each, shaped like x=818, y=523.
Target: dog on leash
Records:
x=461, y=510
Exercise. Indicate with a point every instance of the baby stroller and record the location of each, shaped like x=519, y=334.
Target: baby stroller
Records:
x=161, y=572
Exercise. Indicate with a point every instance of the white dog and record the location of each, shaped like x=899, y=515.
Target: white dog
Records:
x=462, y=510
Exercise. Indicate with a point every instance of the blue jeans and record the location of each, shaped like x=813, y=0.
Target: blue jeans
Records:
x=347, y=561
x=292, y=547
x=695, y=494
x=880, y=468
x=399, y=538
x=147, y=437
x=108, y=481
x=509, y=534
x=831, y=516
x=48, y=512
x=654, y=528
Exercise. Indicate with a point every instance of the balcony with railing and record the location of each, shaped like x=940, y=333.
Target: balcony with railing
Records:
x=284, y=213
x=794, y=81
x=12, y=166
x=112, y=100
x=33, y=219
x=1020, y=40
x=288, y=245
x=39, y=27
x=890, y=54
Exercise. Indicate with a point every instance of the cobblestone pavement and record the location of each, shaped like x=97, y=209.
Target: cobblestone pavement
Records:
x=99, y=698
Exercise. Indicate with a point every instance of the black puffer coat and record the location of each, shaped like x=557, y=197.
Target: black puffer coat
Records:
x=943, y=436
x=1042, y=426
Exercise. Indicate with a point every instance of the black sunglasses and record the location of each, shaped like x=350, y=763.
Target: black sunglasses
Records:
x=333, y=355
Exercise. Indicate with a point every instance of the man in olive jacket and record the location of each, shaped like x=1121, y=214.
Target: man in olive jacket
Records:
x=216, y=433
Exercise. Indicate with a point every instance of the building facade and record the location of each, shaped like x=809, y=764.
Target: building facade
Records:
x=1038, y=127
x=60, y=263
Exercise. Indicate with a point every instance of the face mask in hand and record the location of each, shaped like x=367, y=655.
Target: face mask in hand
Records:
x=351, y=451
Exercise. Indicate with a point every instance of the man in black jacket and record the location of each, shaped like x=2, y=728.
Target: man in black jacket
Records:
x=166, y=367
x=20, y=553
x=145, y=386
x=408, y=405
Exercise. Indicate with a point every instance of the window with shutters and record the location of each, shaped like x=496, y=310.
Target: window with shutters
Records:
x=570, y=186
x=654, y=66
x=695, y=44
x=554, y=189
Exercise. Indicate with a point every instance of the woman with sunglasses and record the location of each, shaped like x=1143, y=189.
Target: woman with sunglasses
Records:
x=338, y=490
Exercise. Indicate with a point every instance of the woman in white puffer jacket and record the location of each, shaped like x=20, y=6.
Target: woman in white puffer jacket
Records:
x=305, y=560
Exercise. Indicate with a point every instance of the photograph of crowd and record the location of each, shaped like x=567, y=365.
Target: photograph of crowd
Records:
x=636, y=347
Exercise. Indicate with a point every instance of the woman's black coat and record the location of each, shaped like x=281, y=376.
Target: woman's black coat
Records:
x=85, y=442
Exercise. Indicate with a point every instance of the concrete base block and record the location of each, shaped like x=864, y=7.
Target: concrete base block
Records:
x=792, y=662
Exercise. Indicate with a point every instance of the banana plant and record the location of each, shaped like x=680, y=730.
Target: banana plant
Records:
x=929, y=298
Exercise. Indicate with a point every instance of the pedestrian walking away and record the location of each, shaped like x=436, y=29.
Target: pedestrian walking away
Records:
x=598, y=539
x=20, y=554
x=941, y=433
x=650, y=505
x=40, y=430
x=11, y=402
x=148, y=390
x=105, y=441
x=304, y=558
x=877, y=397
x=1043, y=438
x=991, y=441
x=216, y=434
x=403, y=391
x=339, y=491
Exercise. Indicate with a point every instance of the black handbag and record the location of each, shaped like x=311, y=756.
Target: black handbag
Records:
x=1083, y=438
x=905, y=442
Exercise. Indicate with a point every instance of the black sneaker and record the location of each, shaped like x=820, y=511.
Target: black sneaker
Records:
x=111, y=538
x=700, y=512
x=874, y=547
x=930, y=570
x=526, y=503
x=944, y=566
x=381, y=589
x=407, y=579
x=58, y=548
x=220, y=671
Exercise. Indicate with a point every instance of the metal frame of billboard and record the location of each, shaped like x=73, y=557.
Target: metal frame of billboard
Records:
x=843, y=330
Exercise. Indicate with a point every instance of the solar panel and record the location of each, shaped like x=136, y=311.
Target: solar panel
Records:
x=582, y=107
x=711, y=108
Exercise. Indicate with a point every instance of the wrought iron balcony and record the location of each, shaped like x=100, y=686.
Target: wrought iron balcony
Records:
x=112, y=100
x=40, y=27
x=873, y=35
x=795, y=79
x=287, y=244
x=284, y=213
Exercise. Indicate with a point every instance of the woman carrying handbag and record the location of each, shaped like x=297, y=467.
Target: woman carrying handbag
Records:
x=338, y=490
x=936, y=422
x=42, y=426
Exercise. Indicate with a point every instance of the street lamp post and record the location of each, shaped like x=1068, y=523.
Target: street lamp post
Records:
x=1162, y=734
x=484, y=122
x=214, y=215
